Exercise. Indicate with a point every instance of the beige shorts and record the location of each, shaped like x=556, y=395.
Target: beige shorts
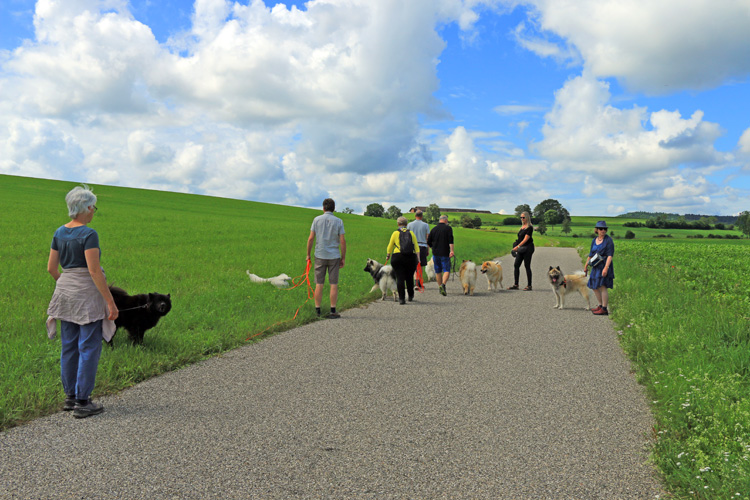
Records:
x=327, y=265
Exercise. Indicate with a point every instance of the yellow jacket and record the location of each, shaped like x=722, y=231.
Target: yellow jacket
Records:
x=393, y=244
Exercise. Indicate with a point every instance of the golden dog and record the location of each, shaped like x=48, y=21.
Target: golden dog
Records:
x=493, y=271
x=468, y=275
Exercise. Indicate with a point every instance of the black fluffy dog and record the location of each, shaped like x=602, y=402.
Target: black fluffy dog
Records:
x=138, y=313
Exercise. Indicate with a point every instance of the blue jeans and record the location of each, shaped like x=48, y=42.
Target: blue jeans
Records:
x=79, y=360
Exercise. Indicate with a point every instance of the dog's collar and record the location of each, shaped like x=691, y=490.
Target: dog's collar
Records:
x=565, y=283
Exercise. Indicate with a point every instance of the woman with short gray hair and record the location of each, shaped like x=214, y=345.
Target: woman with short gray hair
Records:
x=81, y=301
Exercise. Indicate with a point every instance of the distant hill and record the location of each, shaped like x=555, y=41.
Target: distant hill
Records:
x=726, y=219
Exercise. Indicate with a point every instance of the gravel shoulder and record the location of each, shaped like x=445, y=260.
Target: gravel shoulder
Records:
x=492, y=396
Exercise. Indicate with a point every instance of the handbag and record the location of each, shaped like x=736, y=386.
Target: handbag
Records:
x=597, y=260
x=521, y=250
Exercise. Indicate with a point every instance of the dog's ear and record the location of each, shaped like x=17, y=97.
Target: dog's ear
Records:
x=169, y=296
x=551, y=268
x=558, y=268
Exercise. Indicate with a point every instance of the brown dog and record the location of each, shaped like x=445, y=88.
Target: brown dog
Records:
x=565, y=284
x=494, y=273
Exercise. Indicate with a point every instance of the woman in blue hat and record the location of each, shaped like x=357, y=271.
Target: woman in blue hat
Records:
x=602, y=270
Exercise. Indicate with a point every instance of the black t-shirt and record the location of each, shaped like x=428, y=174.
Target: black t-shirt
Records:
x=523, y=232
x=440, y=239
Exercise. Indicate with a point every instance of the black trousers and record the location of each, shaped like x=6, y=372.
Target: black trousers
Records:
x=404, y=265
x=526, y=259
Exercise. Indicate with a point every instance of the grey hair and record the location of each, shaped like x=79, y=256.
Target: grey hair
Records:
x=402, y=221
x=79, y=199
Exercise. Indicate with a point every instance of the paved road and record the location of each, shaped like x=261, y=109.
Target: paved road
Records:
x=492, y=396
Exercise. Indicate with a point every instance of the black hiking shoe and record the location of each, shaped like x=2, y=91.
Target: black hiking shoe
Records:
x=87, y=410
x=70, y=403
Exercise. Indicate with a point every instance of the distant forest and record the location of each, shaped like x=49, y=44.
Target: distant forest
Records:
x=726, y=219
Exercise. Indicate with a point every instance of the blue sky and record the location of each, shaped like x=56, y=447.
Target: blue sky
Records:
x=605, y=106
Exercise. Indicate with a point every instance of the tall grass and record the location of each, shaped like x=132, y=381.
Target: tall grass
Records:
x=195, y=247
x=683, y=311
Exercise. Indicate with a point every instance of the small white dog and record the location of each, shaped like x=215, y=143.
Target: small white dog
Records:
x=468, y=274
x=280, y=281
x=430, y=270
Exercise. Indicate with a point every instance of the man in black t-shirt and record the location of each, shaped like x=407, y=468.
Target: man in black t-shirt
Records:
x=440, y=240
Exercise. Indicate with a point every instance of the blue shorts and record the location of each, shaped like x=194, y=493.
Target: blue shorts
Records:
x=442, y=264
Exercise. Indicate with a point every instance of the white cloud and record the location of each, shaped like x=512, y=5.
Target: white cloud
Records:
x=654, y=47
x=249, y=101
x=584, y=133
x=744, y=142
x=517, y=109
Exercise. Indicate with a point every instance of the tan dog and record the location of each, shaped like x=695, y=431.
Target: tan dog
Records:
x=493, y=271
x=565, y=284
x=468, y=275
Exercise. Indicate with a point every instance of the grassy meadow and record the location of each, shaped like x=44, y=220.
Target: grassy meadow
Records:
x=683, y=314
x=195, y=247
x=681, y=307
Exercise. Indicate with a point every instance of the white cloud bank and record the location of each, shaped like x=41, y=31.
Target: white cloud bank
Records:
x=291, y=106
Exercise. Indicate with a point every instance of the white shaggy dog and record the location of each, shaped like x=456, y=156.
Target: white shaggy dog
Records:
x=280, y=281
x=430, y=270
x=468, y=274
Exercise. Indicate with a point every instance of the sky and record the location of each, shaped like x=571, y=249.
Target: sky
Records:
x=608, y=106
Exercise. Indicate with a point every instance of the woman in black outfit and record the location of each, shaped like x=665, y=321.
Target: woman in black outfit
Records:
x=523, y=248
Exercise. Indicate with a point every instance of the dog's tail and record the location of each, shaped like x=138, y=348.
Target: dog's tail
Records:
x=254, y=277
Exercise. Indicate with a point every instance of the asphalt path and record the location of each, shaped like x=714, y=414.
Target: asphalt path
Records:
x=496, y=395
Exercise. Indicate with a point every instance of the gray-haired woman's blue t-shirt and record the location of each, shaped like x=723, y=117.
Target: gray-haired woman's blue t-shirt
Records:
x=72, y=242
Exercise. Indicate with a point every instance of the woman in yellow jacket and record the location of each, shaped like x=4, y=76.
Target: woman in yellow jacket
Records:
x=402, y=247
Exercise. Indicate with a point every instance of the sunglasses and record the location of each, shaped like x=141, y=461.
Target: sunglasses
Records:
x=523, y=217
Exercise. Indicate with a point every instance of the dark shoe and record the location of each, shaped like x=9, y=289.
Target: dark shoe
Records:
x=514, y=287
x=442, y=291
x=90, y=408
x=333, y=315
x=527, y=289
x=70, y=403
x=402, y=302
x=411, y=298
x=601, y=312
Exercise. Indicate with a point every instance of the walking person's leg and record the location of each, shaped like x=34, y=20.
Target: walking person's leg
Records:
x=411, y=268
x=89, y=349
x=527, y=265
x=397, y=261
x=69, y=333
x=333, y=280
x=516, y=271
x=320, y=279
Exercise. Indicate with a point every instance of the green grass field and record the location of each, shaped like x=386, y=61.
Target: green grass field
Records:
x=195, y=247
x=681, y=306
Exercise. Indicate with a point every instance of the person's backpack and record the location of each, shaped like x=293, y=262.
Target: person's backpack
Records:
x=405, y=243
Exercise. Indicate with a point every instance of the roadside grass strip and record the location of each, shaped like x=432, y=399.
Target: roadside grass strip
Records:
x=683, y=314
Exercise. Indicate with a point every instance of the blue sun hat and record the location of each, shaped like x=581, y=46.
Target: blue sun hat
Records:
x=601, y=225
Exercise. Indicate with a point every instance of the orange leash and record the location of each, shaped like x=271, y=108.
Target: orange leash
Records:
x=303, y=278
x=420, y=279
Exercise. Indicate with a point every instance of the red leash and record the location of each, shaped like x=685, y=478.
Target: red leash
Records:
x=420, y=279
